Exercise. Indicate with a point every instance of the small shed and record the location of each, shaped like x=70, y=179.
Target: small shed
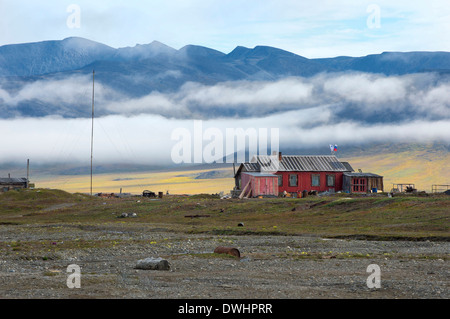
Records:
x=148, y=193
x=362, y=183
x=7, y=184
x=259, y=184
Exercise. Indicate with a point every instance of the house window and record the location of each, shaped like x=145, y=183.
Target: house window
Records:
x=331, y=179
x=280, y=180
x=315, y=180
x=359, y=185
x=292, y=180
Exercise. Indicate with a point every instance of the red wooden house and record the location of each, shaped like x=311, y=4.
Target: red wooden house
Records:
x=294, y=173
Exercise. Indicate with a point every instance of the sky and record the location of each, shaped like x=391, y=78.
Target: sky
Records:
x=309, y=28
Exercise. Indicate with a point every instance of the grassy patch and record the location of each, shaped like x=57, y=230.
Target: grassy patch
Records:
x=408, y=217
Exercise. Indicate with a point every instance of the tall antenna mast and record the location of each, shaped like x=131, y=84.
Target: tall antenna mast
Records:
x=92, y=131
x=28, y=173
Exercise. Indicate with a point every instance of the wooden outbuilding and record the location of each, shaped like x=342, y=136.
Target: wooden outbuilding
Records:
x=259, y=184
x=362, y=183
x=7, y=184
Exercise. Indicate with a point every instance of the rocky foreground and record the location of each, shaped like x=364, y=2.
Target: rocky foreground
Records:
x=34, y=262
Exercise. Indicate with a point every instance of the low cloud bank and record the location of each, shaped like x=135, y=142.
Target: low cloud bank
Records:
x=338, y=108
x=361, y=97
x=147, y=139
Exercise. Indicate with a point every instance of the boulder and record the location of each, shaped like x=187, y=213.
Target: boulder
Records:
x=153, y=264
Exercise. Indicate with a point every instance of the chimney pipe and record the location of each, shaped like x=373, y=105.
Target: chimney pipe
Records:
x=280, y=157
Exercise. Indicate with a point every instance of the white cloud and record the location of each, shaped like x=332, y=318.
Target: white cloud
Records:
x=434, y=101
x=257, y=94
x=146, y=139
x=368, y=88
x=369, y=95
x=68, y=90
x=307, y=111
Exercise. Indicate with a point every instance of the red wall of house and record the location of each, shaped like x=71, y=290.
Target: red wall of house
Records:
x=304, y=182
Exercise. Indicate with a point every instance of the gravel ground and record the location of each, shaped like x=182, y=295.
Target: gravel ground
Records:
x=270, y=267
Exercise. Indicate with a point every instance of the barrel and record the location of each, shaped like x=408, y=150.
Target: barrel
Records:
x=228, y=250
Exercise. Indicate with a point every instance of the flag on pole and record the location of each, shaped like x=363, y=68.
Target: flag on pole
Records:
x=333, y=148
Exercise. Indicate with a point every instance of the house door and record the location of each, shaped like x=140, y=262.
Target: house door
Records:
x=266, y=186
x=263, y=186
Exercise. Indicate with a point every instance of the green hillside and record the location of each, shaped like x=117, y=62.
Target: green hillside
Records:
x=342, y=215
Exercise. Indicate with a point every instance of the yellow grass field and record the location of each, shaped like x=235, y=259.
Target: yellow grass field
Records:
x=420, y=167
x=177, y=182
x=417, y=166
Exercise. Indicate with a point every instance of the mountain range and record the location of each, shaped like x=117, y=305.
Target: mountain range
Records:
x=155, y=67
x=261, y=62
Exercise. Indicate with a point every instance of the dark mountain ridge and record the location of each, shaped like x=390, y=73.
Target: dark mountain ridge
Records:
x=155, y=67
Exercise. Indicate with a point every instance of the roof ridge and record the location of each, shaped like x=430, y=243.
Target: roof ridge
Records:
x=283, y=155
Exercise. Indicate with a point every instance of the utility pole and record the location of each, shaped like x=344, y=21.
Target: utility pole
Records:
x=28, y=173
x=92, y=131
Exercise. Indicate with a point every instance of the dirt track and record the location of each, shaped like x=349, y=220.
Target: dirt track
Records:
x=34, y=260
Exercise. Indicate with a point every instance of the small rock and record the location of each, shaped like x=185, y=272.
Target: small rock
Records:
x=153, y=264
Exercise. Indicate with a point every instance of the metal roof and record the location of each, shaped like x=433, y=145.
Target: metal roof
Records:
x=348, y=166
x=260, y=174
x=251, y=167
x=362, y=175
x=12, y=180
x=299, y=163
